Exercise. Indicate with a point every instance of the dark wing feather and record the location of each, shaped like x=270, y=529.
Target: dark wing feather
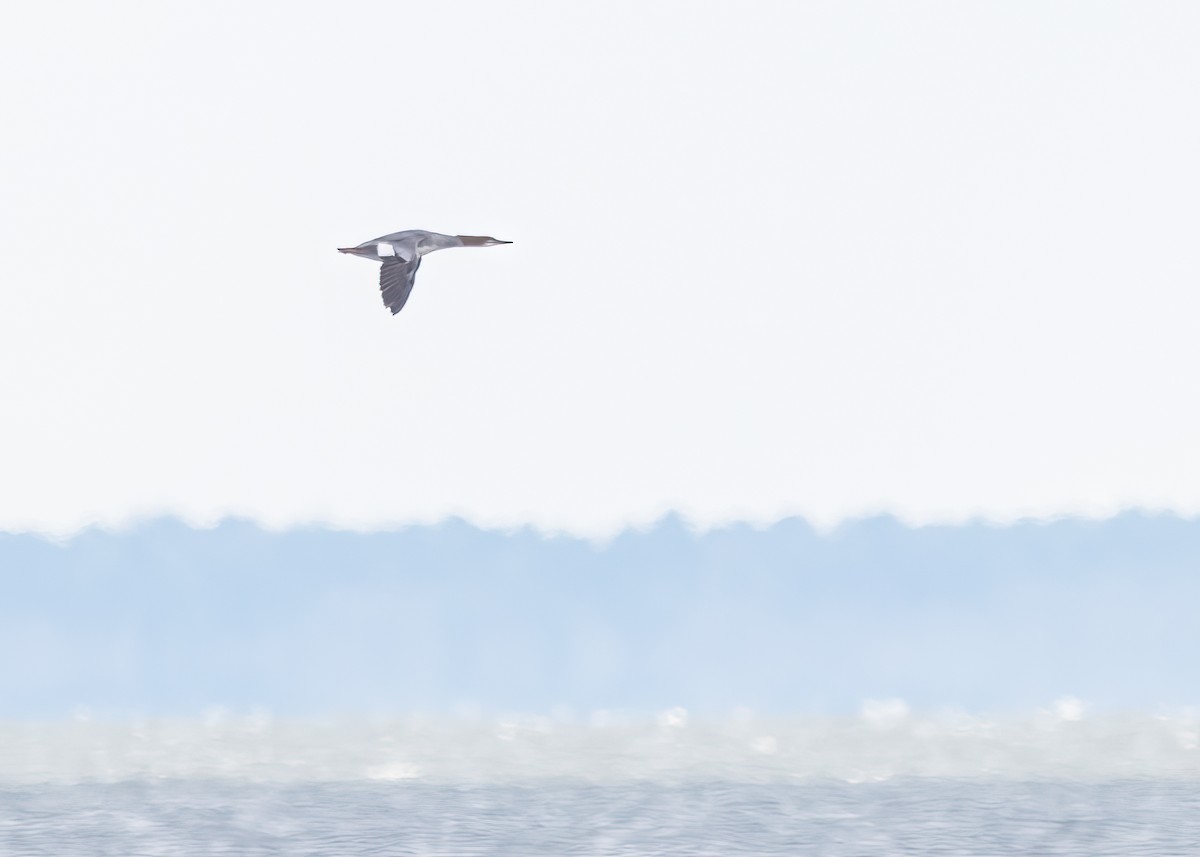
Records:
x=396, y=278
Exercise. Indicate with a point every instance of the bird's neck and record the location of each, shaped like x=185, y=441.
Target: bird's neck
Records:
x=436, y=241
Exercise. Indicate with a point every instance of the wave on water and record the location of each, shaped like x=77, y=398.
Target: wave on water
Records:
x=884, y=741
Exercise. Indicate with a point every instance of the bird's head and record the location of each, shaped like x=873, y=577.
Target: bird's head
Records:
x=480, y=241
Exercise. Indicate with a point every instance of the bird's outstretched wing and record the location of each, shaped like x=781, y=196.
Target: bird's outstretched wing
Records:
x=396, y=278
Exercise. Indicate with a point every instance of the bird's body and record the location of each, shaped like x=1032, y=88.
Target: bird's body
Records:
x=401, y=252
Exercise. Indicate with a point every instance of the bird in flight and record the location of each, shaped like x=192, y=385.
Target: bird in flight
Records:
x=401, y=254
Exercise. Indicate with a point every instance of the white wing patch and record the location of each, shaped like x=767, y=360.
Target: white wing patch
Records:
x=386, y=250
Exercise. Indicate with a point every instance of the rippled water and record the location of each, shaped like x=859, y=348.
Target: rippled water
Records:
x=884, y=783
x=910, y=816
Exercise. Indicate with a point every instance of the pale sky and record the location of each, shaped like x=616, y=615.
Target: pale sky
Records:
x=826, y=259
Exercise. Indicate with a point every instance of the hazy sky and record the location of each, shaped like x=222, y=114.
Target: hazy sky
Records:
x=938, y=259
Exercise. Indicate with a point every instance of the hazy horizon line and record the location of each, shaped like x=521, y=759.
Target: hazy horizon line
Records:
x=679, y=518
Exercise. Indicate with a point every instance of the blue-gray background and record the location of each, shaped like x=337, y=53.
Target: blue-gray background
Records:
x=165, y=619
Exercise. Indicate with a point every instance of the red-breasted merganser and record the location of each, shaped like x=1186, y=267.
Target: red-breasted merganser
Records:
x=401, y=254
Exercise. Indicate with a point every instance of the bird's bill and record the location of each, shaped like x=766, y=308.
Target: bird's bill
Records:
x=354, y=250
x=480, y=241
